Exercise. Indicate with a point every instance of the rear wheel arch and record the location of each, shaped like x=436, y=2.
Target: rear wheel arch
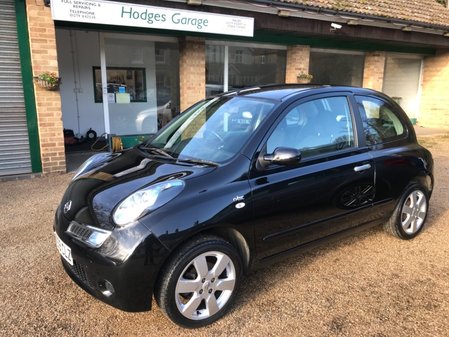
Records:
x=405, y=210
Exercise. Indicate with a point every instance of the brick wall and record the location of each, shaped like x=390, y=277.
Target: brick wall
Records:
x=192, y=71
x=434, y=108
x=48, y=103
x=297, y=62
x=373, y=73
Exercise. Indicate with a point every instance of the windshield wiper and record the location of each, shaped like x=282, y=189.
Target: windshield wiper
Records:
x=198, y=161
x=157, y=150
x=163, y=154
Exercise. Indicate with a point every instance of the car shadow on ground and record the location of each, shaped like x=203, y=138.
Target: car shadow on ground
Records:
x=263, y=278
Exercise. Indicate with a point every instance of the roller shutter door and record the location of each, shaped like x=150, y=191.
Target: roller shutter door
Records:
x=401, y=81
x=14, y=143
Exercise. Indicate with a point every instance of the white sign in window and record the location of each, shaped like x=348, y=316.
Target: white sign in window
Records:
x=134, y=15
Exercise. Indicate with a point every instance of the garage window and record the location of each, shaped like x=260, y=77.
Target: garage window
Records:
x=231, y=66
x=337, y=67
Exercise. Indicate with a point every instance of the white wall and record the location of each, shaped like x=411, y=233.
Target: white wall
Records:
x=78, y=52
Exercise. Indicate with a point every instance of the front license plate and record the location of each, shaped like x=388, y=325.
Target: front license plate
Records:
x=64, y=250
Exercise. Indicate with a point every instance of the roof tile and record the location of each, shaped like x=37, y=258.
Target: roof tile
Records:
x=428, y=12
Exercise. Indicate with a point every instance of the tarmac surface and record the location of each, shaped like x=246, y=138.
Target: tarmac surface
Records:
x=370, y=284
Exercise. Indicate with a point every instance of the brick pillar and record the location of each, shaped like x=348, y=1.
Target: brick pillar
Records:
x=373, y=74
x=297, y=62
x=192, y=71
x=434, y=108
x=41, y=30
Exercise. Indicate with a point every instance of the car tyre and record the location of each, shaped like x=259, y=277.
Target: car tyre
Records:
x=410, y=214
x=199, y=282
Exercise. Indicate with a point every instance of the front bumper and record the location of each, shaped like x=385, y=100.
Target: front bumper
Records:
x=125, y=284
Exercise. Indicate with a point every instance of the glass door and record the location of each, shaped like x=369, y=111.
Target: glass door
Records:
x=140, y=83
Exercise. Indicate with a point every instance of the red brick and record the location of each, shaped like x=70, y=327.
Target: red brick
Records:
x=48, y=103
x=192, y=65
x=373, y=74
x=297, y=62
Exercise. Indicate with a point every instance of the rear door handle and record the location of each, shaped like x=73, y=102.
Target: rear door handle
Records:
x=362, y=168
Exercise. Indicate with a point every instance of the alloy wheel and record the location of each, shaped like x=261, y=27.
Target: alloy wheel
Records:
x=205, y=285
x=413, y=212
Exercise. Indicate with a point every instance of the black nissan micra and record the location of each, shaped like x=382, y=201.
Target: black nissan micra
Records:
x=235, y=181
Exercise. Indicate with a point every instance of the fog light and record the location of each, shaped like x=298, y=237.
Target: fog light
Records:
x=97, y=237
x=106, y=288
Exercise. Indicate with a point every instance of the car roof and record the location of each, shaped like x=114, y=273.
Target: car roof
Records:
x=283, y=92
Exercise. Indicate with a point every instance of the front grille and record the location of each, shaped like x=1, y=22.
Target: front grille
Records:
x=80, y=272
x=79, y=231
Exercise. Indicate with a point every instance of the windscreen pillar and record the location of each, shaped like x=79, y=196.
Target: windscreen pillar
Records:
x=192, y=71
x=374, y=70
x=297, y=62
x=434, y=109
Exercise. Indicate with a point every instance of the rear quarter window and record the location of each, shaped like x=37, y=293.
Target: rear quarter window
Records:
x=380, y=123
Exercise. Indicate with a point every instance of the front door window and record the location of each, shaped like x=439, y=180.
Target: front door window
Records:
x=315, y=127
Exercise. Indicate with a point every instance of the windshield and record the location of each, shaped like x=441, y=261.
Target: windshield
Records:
x=214, y=130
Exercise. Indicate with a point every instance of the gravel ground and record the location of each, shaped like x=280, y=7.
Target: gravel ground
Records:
x=370, y=284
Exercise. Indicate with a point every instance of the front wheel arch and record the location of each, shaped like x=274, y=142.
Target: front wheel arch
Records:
x=232, y=235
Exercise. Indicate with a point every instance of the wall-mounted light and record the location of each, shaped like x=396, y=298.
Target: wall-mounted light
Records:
x=195, y=2
x=335, y=26
x=47, y=3
x=446, y=34
x=407, y=29
x=283, y=13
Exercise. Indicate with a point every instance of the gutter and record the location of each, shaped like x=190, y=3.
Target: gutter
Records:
x=350, y=14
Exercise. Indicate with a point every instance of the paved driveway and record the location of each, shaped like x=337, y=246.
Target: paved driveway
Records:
x=370, y=284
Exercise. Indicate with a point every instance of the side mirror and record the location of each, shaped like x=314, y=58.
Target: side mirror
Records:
x=283, y=156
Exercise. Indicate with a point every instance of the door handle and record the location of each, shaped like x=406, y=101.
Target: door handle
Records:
x=362, y=168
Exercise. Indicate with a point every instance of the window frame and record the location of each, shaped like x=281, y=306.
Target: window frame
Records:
x=313, y=159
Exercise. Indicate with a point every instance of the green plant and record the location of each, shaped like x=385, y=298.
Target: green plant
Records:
x=51, y=78
x=48, y=80
x=305, y=76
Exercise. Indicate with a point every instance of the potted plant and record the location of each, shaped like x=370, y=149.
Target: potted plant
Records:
x=48, y=80
x=304, y=78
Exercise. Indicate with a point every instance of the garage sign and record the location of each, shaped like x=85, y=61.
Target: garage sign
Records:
x=134, y=15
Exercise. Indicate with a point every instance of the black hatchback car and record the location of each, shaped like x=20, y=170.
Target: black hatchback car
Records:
x=232, y=183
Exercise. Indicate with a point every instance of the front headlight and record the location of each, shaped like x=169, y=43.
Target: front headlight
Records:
x=145, y=200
